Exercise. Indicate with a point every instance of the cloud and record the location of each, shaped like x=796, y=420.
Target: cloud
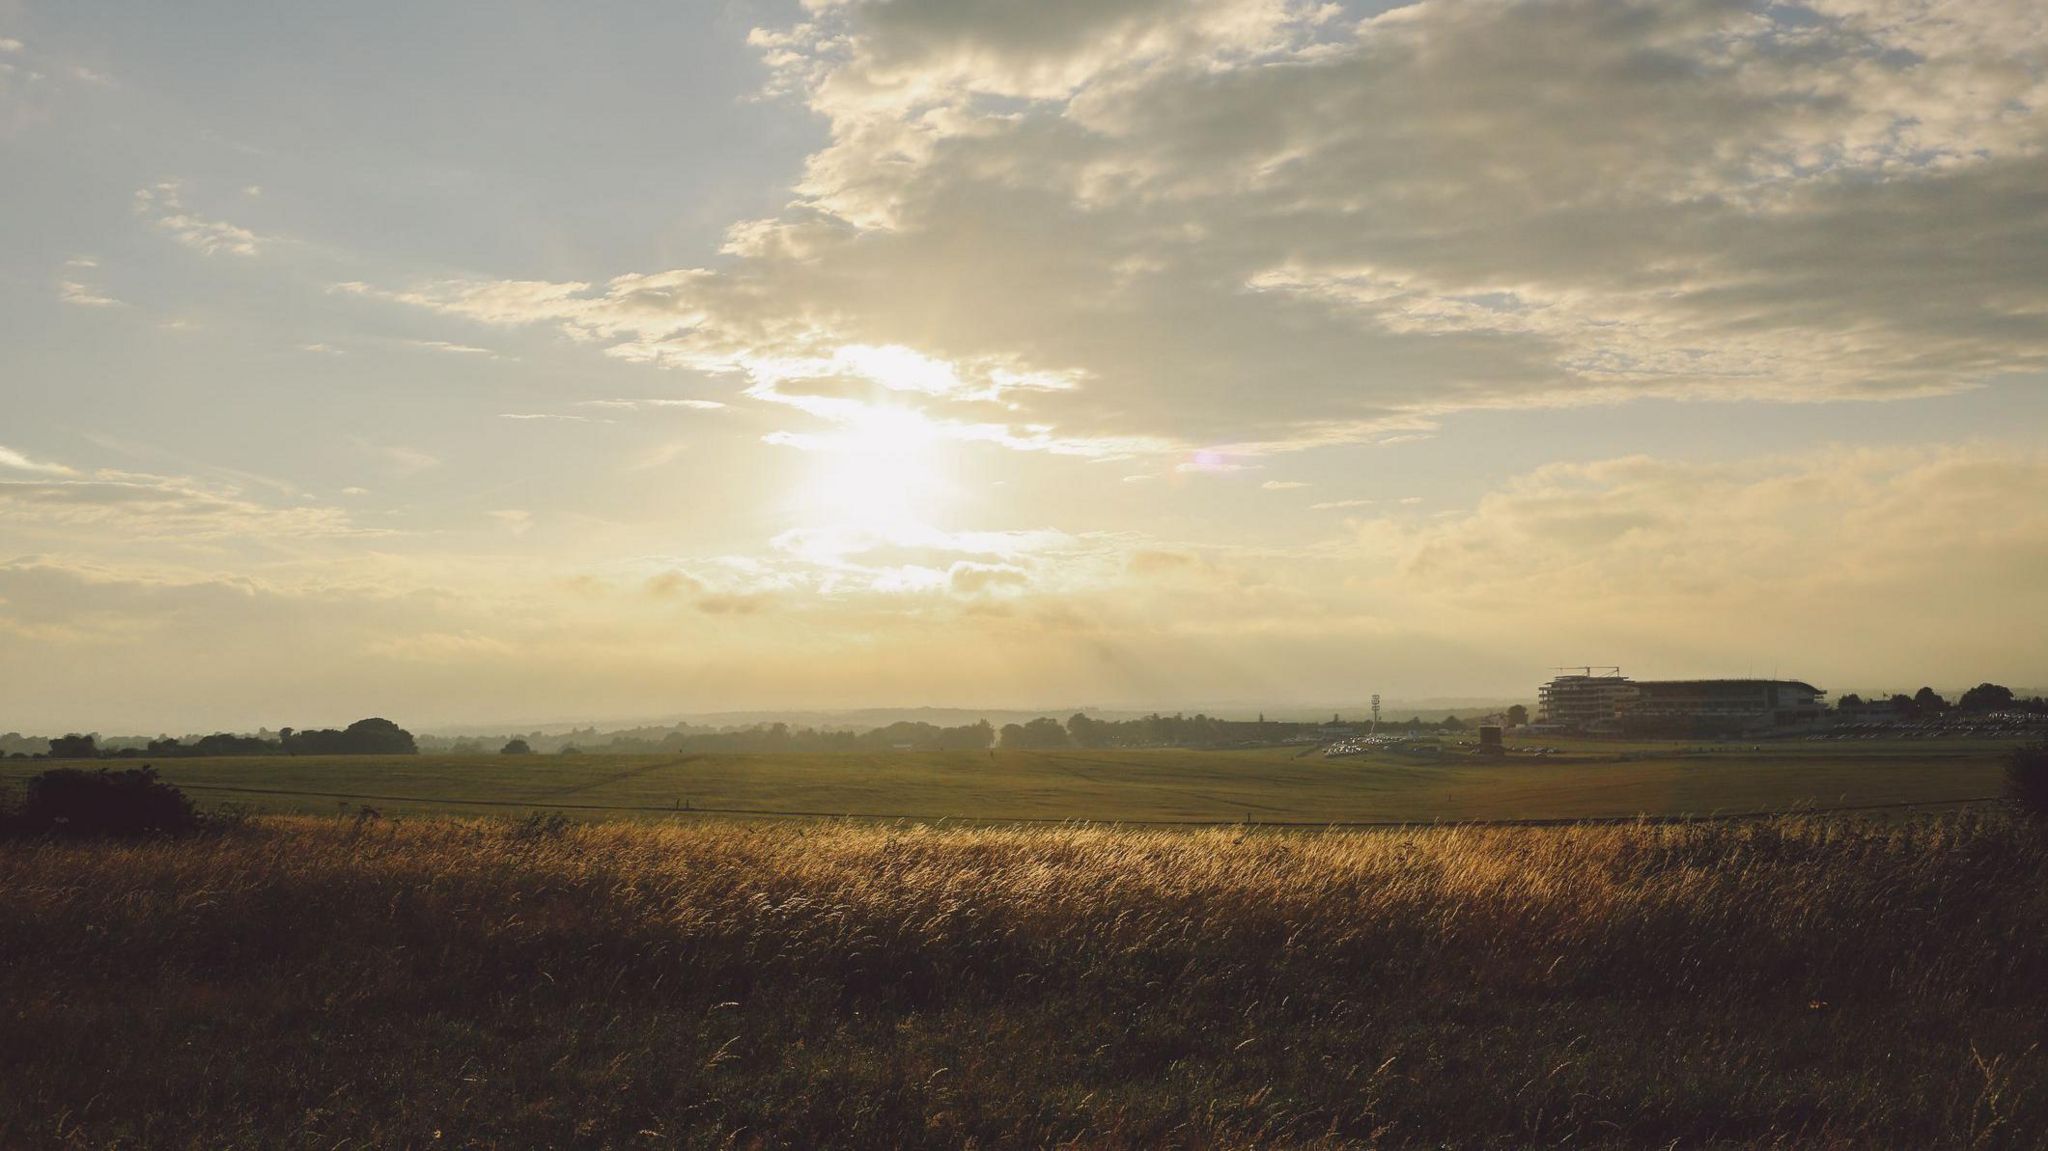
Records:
x=9, y=458
x=405, y=461
x=164, y=205
x=556, y=416
x=455, y=349
x=441, y=648
x=640, y=405
x=672, y=583
x=80, y=293
x=84, y=295
x=518, y=521
x=971, y=579
x=1282, y=485
x=1851, y=558
x=805, y=365
x=1336, y=505
x=1278, y=226
x=134, y=506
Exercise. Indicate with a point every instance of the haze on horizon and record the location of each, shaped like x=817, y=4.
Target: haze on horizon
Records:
x=467, y=362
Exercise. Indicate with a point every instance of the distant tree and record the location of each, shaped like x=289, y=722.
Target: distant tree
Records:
x=1927, y=701
x=1985, y=697
x=380, y=737
x=516, y=747
x=1087, y=732
x=1039, y=733
x=977, y=736
x=1518, y=715
x=1452, y=723
x=363, y=737
x=570, y=749
x=1850, y=701
x=1902, y=704
x=74, y=746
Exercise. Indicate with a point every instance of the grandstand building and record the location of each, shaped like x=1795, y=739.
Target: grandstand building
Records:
x=1603, y=701
x=1712, y=707
x=1591, y=701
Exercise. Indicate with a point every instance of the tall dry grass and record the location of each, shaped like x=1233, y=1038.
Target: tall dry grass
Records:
x=316, y=983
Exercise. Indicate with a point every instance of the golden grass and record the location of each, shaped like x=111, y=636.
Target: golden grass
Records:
x=304, y=982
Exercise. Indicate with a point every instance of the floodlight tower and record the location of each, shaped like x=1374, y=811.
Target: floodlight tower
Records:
x=1375, y=713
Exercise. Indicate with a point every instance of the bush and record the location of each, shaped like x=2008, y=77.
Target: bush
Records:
x=2026, y=781
x=73, y=801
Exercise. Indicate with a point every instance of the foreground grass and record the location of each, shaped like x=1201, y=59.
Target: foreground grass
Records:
x=302, y=983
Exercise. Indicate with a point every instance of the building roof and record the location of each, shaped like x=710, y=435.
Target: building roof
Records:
x=1728, y=683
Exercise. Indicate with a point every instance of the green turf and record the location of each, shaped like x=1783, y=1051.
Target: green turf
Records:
x=1263, y=785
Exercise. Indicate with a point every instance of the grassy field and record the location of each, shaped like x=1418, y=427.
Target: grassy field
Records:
x=1266, y=785
x=300, y=982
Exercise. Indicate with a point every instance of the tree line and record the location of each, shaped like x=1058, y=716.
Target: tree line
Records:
x=1927, y=703
x=374, y=736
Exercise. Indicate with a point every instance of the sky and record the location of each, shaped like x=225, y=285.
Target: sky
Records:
x=467, y=363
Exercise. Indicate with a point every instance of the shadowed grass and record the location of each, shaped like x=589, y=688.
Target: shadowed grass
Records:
x=301, y=982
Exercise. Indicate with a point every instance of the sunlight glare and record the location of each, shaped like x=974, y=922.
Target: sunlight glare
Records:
x=875, y=474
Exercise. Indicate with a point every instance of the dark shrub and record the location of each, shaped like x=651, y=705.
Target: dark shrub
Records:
x=2026, y=781
x=72, y=801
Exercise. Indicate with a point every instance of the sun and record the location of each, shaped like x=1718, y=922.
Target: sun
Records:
x=877, y=474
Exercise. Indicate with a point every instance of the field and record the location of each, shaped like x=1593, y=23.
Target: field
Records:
x=1273, y=785
x=355, y=983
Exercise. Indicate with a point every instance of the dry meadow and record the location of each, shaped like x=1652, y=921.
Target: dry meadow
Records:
x=303, y=982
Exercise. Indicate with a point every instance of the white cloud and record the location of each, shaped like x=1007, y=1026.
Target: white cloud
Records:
x=78, y=291
x=1282, y=485
x=164, y=205
x=1146, y=228
x=638, y=405
x=9, y=458
x=133, y=507
x=453, y=348
x=84, y=295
